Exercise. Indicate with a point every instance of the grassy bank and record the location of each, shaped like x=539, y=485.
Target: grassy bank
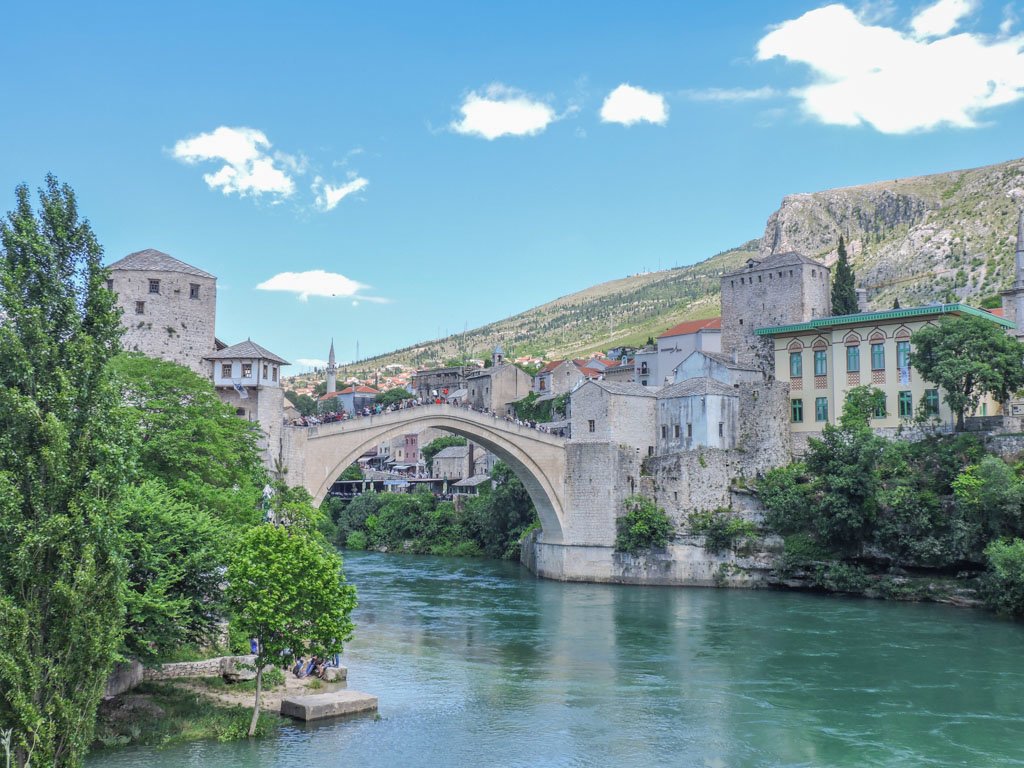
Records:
x=156, y=714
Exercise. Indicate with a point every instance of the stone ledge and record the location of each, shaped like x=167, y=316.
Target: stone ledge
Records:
x=324, y=705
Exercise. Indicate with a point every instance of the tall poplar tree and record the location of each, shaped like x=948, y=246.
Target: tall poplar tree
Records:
x=844, y=290
x=64, y=448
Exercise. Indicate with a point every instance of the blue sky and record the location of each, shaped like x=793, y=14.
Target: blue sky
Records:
x=455, y=163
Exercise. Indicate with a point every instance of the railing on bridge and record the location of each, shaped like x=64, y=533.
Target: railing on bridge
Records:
x=482, y=418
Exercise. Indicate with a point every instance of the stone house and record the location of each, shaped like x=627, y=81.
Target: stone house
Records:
x=440, y=383
x=782, y=288
x=624, y=372
x=248, y=378
x=697, y=413
x=604, y=411
x=453, y=463
x=169, y=308
x=496, y=388
x=557, y=378
x=653, y=366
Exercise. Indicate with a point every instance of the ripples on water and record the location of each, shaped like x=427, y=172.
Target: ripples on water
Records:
x=480, y=664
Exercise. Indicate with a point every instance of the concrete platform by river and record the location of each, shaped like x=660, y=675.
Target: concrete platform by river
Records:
x=323, y=705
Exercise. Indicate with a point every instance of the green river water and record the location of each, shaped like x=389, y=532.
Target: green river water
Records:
x=478, y=663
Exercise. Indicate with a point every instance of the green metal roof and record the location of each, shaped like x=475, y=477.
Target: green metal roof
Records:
x=864, y=318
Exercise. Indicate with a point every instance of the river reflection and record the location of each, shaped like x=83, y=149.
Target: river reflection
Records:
x=480, y=664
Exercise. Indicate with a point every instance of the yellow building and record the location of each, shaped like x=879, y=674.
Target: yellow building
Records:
x=822, y=359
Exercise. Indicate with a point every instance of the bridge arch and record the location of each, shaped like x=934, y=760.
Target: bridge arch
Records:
x=316, y=456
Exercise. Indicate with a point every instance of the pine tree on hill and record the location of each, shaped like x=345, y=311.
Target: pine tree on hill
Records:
x=844, y=292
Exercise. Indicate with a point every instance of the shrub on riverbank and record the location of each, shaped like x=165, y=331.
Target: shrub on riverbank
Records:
x=860, y=507
x=644, y=526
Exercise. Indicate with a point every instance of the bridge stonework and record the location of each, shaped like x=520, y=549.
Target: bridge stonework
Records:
x=316, y=456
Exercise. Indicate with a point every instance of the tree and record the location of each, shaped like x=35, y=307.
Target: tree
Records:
x=288, y=593
x=968, y=357
x=175, y=553
x=393, y=396
x=844, y=288
x=64, y=450
x=304, y=404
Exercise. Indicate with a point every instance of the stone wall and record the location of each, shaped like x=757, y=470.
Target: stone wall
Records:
x=205, y=668
x=172, y=326
x=125, y=676
x=685, y=563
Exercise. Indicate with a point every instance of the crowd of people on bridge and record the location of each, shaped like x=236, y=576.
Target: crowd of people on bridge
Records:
x=415, y=402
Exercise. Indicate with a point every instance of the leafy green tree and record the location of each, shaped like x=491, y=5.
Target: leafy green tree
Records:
x=507, y=512
x=175, y=553
x=393, y=396
x=968, y=357
x=1003, y=585
x=989, y=499
x=435, y=446
x=844, y=288
x=287, y=591
x=644, y=526
x=304, y=404
x=65, y=447
x=862, y=403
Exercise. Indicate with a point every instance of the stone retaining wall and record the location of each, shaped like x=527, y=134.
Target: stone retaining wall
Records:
x=206, y=668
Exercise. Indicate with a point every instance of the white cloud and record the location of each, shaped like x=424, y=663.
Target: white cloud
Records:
x=318, y=282
x=628, y=104
x=311, y=362
x=941, y=18
x=891, y=80
x=502, y=111
x=328, y=196
x=732, y=94
x=248, y=167
x=1009, y=19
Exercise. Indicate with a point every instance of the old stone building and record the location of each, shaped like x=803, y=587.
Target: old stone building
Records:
x=440, y=383
x=781, y=289
x=169, y=311
x=496, y=388
x=248, y=378
x=169, y=308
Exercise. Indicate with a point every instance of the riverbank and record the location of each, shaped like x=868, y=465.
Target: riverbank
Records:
x=193, y=709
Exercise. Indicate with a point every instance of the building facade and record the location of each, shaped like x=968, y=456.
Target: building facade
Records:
x=169, y=308
x=654, y=366
x=781, y=289
x=822, y=359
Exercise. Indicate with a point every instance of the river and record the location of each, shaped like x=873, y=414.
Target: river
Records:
x=478, y=663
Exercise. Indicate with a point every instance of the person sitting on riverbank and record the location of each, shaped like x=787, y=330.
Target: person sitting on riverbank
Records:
x=299, y=669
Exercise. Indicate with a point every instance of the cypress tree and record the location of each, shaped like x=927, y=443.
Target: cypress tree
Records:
x=63, y=459
x=844, y=292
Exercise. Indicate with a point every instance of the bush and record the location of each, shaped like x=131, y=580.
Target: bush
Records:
x=721, y=528
x=356, y=540
x=841, y=577
x=644, y=526
x=1003, y=585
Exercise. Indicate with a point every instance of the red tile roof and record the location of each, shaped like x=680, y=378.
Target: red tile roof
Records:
x=998, y=312
x=361, y=389
x=551, y=366
x=692, y=326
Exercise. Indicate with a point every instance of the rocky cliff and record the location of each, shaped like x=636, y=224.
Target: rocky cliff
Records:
x=918, y=240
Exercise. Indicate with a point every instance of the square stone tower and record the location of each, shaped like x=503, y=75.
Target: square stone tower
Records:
x=168, y=308
x=780, y=289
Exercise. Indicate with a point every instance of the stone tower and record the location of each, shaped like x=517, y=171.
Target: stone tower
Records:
x=780, y=289
x=168, y=308
x=332, y=371
x=498, y=358
x=1013, y=299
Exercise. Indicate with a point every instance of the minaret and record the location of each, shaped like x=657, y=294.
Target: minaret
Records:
x=332, y=371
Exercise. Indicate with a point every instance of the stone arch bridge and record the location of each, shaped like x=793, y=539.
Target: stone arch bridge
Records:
x=316, y=456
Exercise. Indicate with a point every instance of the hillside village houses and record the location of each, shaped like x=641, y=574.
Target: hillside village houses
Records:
x=741, y=392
